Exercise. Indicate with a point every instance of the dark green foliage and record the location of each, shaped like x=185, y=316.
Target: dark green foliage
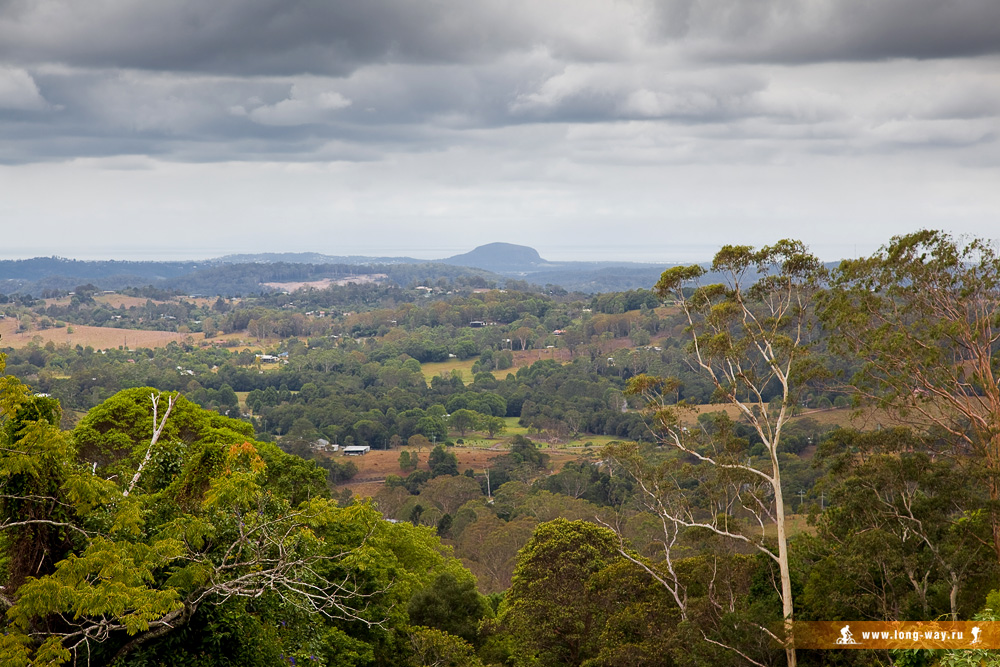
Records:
x=582, y=479
x=444, y=526
x=236, y=633
x=485, y=403
x=415, y=480
x=35, y=468
x=903, y=539
x=551, y=609
x=442, y=462
x=115, y=435
x=525, y=459
x=339, y=471
x=407, y=460
x=202, y=565
x=621, y=302
x=450, y=604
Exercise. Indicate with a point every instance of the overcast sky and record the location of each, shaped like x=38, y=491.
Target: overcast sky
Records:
x=587, y=129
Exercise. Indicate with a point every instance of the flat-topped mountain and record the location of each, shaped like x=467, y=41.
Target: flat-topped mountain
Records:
x=499, y=257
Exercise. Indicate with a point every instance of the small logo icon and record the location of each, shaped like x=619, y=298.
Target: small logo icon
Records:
x=975, y=635
x=845, y=636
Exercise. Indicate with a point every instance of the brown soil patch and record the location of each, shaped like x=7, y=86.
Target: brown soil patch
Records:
x=562, y=355
x=111, y=300
x=365, y=279
x=528, y=357
x=119, y=300
x=376, y=465
x=100, y=338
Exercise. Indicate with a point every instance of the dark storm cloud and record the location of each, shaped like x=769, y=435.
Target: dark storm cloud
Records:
x=256, y=36
x=300, y=80
x=286, y=37
x=831, y=30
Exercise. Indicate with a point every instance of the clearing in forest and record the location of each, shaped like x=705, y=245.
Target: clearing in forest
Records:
x=99, y=338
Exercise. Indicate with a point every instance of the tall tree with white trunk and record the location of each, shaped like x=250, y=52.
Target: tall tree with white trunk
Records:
x=750, y=337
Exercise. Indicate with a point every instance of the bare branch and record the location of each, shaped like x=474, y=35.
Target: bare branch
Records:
x=734, y=650
x=157, y=430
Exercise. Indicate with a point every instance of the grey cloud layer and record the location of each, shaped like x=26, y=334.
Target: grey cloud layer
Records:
x=255, y=37
x=273, y=37
x=832, y=30
x=313, y=81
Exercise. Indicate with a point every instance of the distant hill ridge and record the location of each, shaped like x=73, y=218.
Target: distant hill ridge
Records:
x=500, y=257
x=250, y=273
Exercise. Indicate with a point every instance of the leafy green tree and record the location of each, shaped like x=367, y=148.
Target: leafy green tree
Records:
x=149, y=551
x=435, y=648
x=494, y=426
x=432, y=428
x=464, y=420
x=751, y=341
x=904, y=538
x=44, y=493
x=450, y=492
x=339, y=472
x=583, y=479
x=405, y=461
x=523, y=462
x=451, y=604
x=369, y=431
x=442, y=462
x=550, y=607
x=524, y=336
x=503, y=360
x=923, y=314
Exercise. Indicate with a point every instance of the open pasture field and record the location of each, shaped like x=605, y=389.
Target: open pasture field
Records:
x=99, y=338
x=845, y=417
x=464, y=366
x=238, y=341
x=376, y=465
x=110, y=300
x=121, y=300
x=795, y=524
x=325, y=283
x=522, y=358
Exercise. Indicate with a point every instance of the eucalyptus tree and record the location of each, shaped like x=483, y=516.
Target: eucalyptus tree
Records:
x=923, y=315
x=750, y=338
x=902, y=539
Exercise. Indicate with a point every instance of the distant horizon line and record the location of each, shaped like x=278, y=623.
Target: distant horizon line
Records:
x=681, y=254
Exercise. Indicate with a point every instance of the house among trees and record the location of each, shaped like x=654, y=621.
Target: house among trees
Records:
x=323, y=445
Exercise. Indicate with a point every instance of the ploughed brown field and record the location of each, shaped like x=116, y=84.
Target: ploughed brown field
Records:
x=99, y=338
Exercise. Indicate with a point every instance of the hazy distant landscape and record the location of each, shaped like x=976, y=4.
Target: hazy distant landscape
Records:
x=576, y=333
x=494, y=263
x=511, y=450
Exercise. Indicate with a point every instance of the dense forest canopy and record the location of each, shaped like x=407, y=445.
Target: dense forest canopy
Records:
x=671, y=476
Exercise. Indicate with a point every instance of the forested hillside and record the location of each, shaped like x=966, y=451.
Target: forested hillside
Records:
x=494, y=264
x=670, y=476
